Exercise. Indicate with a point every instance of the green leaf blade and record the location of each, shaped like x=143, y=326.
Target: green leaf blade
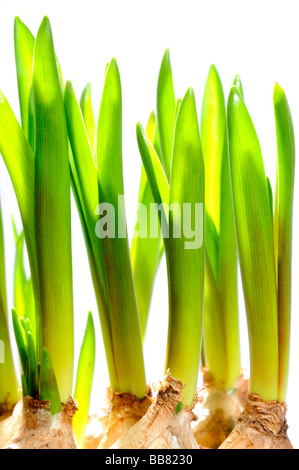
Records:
x=84, y=381
x=186, y=263
x=125, y=327
x=87, y=112
x=255, y=246
x=213, y=133
x=23, y=290
x=20, y=339
x=19, y=161
x=238, y=83
x=49, y=387
x=214, y=327
x=85, y=188
x=146, y=251
x=24, y=45
x=283, y=227
x=52, y=208
x=32, y=382
x=166, y=107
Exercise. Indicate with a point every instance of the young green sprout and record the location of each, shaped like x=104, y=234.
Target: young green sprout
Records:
x=265, y=260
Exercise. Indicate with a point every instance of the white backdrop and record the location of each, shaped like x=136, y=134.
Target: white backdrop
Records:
x=257, y=39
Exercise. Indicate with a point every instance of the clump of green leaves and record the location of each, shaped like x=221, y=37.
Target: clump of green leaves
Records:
x=109, y=258
x=221, y=324
x=177, y=177
x=37, y=161
x=264, y=240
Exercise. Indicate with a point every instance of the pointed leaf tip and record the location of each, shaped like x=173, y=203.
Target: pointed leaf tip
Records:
x=113, y=63
x=166, y=54
x=17, y=22
x=190, y=93
x=45, y=28
x=213, y=71
x=238, y=83
x=235, y=98
x=278, y=93
x=69, y=87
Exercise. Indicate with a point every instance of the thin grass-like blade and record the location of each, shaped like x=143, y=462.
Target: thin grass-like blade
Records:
x=228, y=274
x=87, y=112
x=220, y=239
x=85, y=172
x=20, y=339
x=49, y=387
x=84, y=381
x=185, y=257
x=228, y=281
x=23, y=291
x=19, y=160
x=32, y=383
x=156, y=176
x=24, y=45
x=255, y=246
x=86, y=188
x=125, y=327
x=212, y=247
x=166, y=111
x=283, y=225
x=214, y=326
x=213, y=131
x=145, y=250
x=52, y=208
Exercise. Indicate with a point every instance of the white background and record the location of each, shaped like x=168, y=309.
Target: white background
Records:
x=256, y=39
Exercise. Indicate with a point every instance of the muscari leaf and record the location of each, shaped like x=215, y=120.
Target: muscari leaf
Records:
x=255, y=246
x=125, y=327
x=52, y=209
x=185, y=258
x=20, y=339
x=49, y=387
x=146, y=250
x=84, y=381
x=166, y=111
x=237, y=82
x=87, y=113
x=283, y=227
x=31, y=373
x=23, y=291
x=156, y=176
x=228, y=264
x=213, y=129
x=24, y=45
x=19, y=160
x=85, y=187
